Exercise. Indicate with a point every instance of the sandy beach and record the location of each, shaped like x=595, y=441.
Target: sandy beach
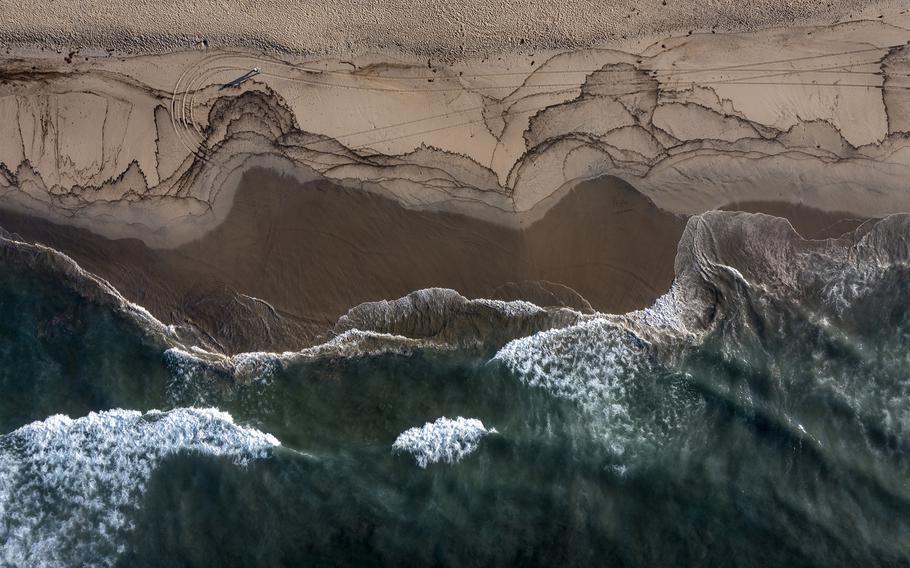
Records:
x=449, y=30
x=558, y=174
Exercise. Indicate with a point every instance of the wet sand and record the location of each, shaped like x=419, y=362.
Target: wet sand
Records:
x=291, y=258
x=810, y=223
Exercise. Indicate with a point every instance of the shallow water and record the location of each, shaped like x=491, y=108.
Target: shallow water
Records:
x=778, y=439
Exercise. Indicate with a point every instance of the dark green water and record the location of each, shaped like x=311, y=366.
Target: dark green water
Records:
x=780, y=440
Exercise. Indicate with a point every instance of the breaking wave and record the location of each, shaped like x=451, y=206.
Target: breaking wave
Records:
x=745, y=286
x=633, y=402
x=68, y=486
x=444, y=440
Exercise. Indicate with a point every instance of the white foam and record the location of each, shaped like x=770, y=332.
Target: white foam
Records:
x=444, y=440
x=513, y=308
x=581, y=362
x=665, y=314
x=607, y=372
x=68, y=486
x=356, y=342
x=191, y=367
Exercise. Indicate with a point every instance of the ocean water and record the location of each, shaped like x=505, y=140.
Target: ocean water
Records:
x=776, y=436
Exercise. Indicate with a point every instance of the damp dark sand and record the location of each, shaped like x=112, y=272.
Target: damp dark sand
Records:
x=312, y=251
x=809, y=222
x=290, y=258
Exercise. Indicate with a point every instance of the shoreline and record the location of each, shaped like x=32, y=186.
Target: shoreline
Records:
x=291, y=258
x=261, y=214
x=302, y=254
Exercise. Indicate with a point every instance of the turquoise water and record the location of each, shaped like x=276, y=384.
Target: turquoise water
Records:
x=779, y=439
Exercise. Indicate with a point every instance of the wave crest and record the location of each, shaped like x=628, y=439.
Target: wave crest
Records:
x=445, y=440
x=68, y=486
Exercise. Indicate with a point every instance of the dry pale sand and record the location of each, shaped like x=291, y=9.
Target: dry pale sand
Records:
x=402, y=172
x=423, y=27
x=152, y=148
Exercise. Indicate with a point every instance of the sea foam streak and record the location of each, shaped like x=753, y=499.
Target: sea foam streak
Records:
x=445, y=440
x=67, y=486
